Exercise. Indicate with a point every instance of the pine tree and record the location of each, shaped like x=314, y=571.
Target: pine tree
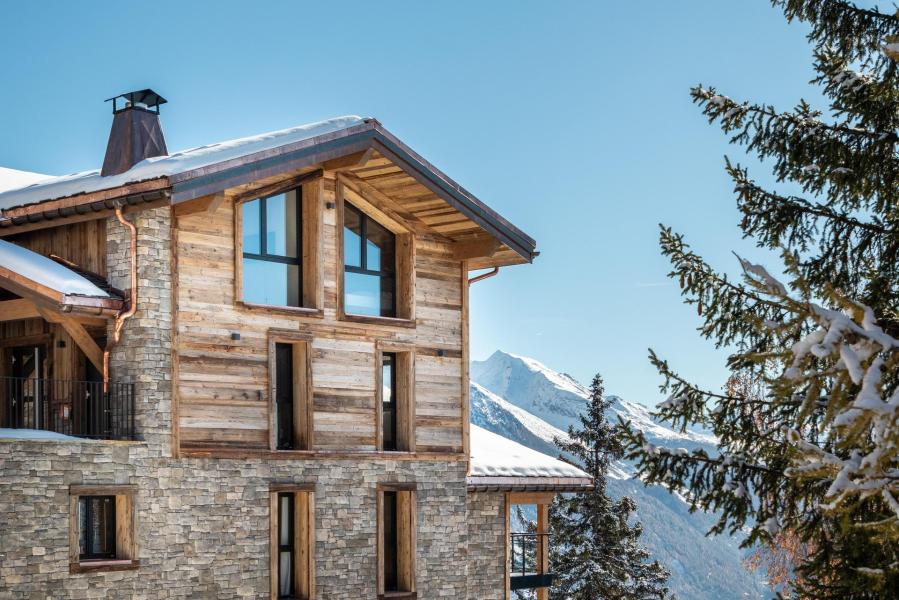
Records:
x=809, y=446
x=596, y=552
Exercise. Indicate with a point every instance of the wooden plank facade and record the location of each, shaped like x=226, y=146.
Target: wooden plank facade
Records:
x=224, y=395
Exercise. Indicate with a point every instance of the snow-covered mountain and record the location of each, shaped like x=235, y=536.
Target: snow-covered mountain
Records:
x=522, y=399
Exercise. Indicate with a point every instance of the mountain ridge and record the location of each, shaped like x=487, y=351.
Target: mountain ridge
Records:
x=524, y=400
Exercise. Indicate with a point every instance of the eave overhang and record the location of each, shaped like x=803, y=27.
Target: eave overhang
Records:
x=478, y=483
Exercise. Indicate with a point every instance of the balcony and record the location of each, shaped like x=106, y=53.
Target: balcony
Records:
x=529, y=561
x=76, y=408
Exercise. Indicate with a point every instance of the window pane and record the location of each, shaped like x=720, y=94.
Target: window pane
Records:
x=250, y=225
x=284, y=395
x=352, y=237
x=266, y=282
x=380, y=248
x=281, y=224
x=285, y=571
x=96, y=516
x=390, y=543
x=362, y=294
x=388, y=402
x=285, y=517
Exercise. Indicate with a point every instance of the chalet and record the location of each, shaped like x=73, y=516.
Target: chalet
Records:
x=241, y=371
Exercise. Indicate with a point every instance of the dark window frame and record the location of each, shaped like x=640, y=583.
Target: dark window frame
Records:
x=363, y=270
x=285, y=435
x=390, y=510
x=85, y=530
x=263, y=254
x=393, y=443
x=290, y=546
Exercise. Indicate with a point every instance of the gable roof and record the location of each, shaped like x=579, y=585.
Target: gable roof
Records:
x=498, y=463
x=197, y=172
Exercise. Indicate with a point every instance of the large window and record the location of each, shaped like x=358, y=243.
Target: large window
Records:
x=290, y=378
x=101, y=528
x=396, y=541
x=292, y=564
x=272, y=267
x=369, y=256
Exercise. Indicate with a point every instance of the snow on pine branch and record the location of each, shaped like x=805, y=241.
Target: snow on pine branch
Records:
x=847, y=357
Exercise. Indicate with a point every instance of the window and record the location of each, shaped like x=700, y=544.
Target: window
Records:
x=292, y=565
x=369, y=257
x=291, y=383
x=388, y=401
x=395, y=387
x=272, y=270
x=396, y=541
x=101, y=528
x=96, y=518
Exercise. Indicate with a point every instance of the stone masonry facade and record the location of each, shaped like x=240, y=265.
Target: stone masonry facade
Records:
x=203, y=524
x=487, y=545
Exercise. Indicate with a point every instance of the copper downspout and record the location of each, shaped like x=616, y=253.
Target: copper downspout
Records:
x=483, y=276
x=132, y=305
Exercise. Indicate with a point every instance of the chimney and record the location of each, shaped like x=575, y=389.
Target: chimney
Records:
x=136, y=133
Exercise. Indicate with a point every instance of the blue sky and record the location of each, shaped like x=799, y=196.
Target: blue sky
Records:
x=572, y=119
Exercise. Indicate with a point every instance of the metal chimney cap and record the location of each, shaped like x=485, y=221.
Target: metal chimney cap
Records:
x=142, y=99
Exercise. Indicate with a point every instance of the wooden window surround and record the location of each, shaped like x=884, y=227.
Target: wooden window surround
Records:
x=402, y=357
x=541, y=500
x=311, y=189
x=396, y=566
x=292, y=546
x=124, y=554
x=405, y=259
x=301, y=426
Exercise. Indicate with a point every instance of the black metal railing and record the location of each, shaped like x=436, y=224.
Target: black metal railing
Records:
x=526, y=571
x=77, y=408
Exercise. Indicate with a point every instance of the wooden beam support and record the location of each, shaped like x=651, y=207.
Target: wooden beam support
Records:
x=350, y=161
x=483, y=248
x=13, y=310
x=75, y=329
x=277, y=187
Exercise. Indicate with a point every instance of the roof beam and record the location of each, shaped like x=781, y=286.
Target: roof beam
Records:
x=388, y=206
x=476, y=249
x=15, y=310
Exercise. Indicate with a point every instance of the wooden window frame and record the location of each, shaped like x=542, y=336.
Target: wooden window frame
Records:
x=126, y=556
x=311, y=192
x=304, y=538
x=406, y=551
x=404, y=274
x=303, y=411
x=404, y=369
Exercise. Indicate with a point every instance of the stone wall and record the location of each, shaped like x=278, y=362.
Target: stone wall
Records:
x=144, y=354
x=486, y=545
x=203, y=524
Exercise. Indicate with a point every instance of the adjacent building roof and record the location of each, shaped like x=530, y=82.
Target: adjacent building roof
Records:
x=498, y=463
x=46, y=272
x=198, y=172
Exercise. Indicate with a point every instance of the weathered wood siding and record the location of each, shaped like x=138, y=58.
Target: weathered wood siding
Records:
x=222, y=384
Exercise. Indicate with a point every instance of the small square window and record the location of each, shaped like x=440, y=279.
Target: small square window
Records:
x=101, y=528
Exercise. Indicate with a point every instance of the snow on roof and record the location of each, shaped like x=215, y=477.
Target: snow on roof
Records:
x=493, y=455
x=37, y=434
x=13, y=179
x=164, y=166
x=45, y=271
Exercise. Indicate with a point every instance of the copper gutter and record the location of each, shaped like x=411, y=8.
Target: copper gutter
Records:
x=483, y=276
x=132, y=304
